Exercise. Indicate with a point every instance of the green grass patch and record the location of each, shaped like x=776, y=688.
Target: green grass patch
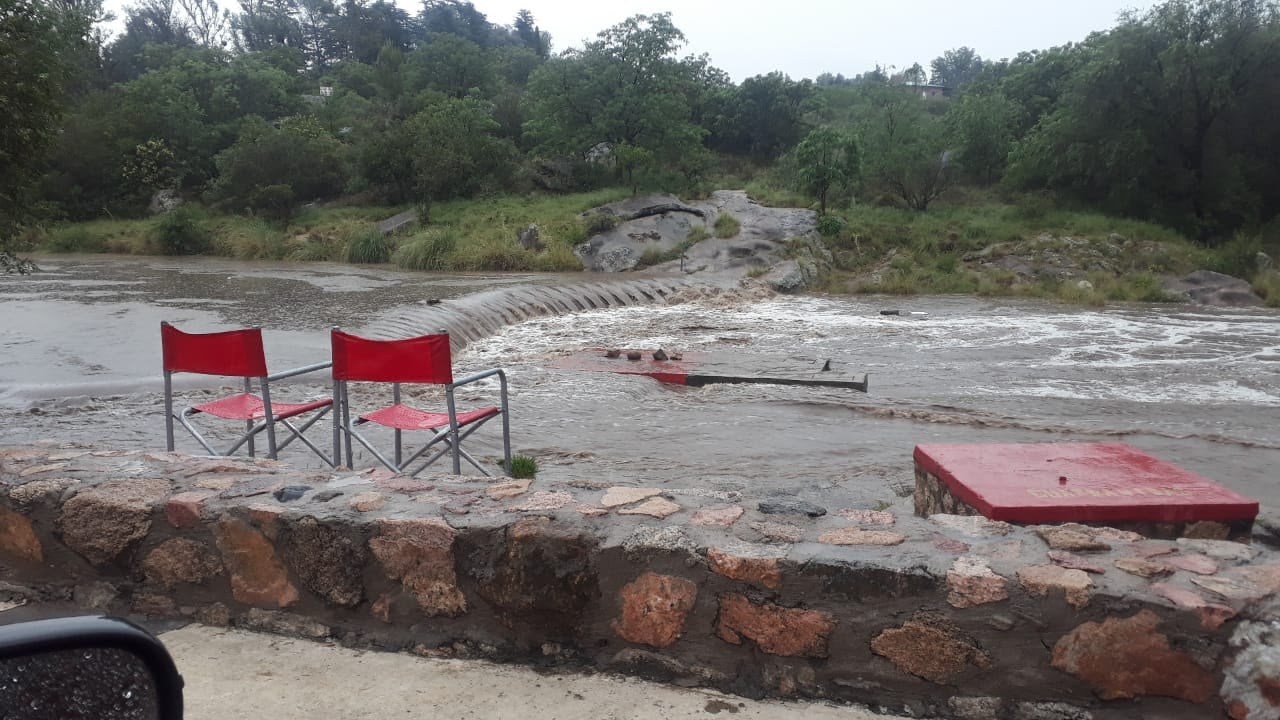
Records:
x=370, y=248
x=75, y=239
x=428, y=251
x=657, y=256
x=766, y=191
x=523, y=466
x=727, y=226
x=697, y=234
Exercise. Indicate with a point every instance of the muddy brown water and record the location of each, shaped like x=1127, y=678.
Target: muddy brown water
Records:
x=79, y=363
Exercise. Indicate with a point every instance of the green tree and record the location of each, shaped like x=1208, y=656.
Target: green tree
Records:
x=457, y=152
x=956, y=68
x=982, y=127
x=451, y=64
x=299, y=155
x=763, y=117
x=1163, y=119
x=385, y=159
x=36, y=56
x=626, y=88
x=526, y=29
x=827, y=162
x=905, y=147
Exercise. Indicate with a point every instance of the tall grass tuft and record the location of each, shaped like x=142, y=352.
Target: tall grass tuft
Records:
x=369, y=248
x=428, y=251
x=727, y=226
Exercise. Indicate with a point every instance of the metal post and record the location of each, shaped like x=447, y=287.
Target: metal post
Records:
x=269, y=419
x=168, y=410
x=248, y=424
x=395, y=399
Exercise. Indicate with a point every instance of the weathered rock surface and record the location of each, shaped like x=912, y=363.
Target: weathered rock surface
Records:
x=1213, y=288
x=654, y=609
x=789, y=632
x=664, y=225
x=1044, y=579
x=328, y=558
x=755, y=564
x=258, y=577
x=419, y=553
x=543, y=573
x=1251, y=687
x=18, y=538
x=931, y=649
x=1127, y=658
x=971, y=582
x=102, y=522
x=181, y=560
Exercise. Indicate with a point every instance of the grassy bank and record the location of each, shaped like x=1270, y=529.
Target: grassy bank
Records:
x=965, y=244
x=879, y=248
x=462, y=235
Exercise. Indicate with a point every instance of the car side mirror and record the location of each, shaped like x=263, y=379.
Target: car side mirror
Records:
x=86, y=668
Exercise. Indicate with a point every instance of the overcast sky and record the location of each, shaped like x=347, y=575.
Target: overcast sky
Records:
x=807, y=37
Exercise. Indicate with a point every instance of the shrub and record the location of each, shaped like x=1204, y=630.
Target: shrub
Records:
x=428, y=251
x=727, y=226
x=831, y=225
x=182, y=232
x=597, y=223
x=697, y=234
x=1237, y=257
x=523, y=466
x=1267, y=285
x=274, y=201
x=371, y=248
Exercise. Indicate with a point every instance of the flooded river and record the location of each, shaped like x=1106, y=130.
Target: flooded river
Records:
x=79, y=362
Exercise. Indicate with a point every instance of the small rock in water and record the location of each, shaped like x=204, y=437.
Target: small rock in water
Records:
x=289, y=493
x=613, y=353
x=791, y=507
x=633, y=355
x=890, y=312
x=660, y=354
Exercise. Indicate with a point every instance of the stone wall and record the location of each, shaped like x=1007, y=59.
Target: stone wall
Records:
x=951, y=616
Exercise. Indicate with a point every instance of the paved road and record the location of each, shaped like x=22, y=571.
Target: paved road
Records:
x=234, y=675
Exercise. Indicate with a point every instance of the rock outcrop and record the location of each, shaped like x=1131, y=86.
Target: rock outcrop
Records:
x=1213, y=288
x=662, y=232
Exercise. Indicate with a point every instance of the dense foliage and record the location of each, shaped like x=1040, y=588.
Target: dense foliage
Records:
x=257, y=109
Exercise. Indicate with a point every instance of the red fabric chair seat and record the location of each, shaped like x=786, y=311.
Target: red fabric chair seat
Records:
x=250, y=407
x=403, y=417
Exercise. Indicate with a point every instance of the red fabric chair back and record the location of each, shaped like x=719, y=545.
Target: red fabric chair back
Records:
x=424, y=359
x=236, y=353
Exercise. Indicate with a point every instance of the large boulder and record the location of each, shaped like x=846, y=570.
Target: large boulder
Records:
x=1213, y=288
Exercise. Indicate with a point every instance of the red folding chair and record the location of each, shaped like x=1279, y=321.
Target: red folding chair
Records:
x=235, y=353
x=419, y=360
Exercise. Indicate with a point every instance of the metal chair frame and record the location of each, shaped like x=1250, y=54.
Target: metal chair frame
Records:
x=252, y=427
x=451, y=435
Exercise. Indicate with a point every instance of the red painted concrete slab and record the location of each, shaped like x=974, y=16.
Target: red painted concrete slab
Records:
x=1078, y=482
x=709, y=368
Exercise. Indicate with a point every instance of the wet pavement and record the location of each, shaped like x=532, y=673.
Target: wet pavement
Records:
x=1195, y=386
